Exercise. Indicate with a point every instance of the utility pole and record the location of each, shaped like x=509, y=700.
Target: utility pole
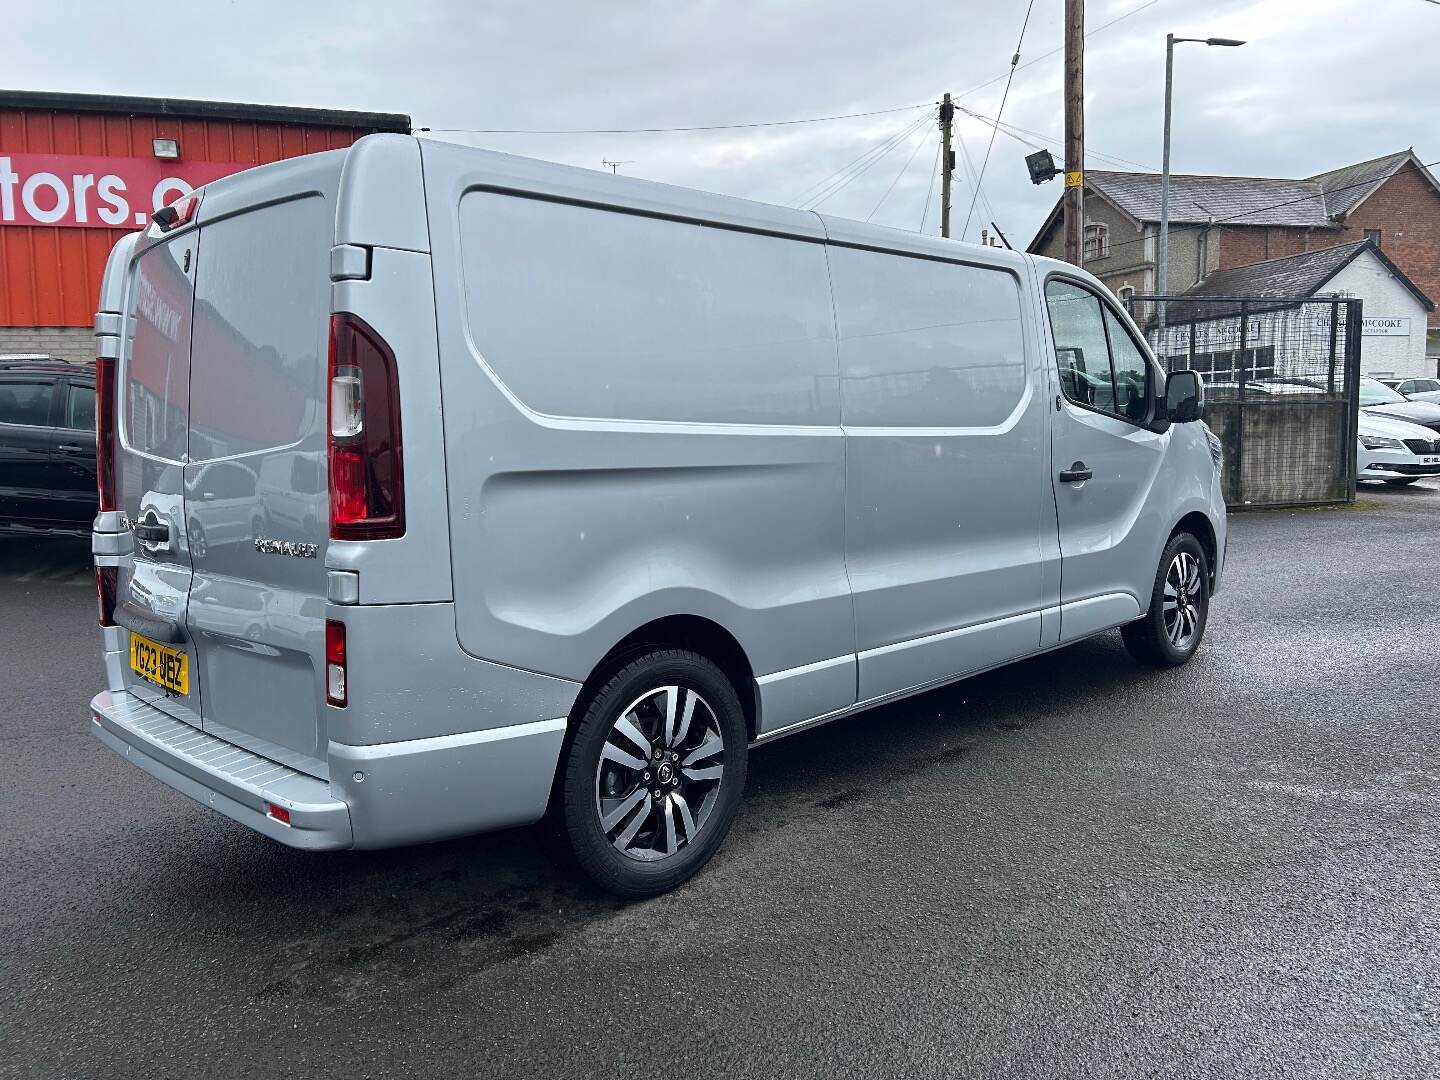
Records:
x=947, y=161
x=1074, y=200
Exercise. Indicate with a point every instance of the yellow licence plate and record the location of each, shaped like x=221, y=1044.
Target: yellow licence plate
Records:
x=165, y=667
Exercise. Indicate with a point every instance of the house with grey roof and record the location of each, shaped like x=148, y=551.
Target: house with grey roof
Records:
x=1223, y=222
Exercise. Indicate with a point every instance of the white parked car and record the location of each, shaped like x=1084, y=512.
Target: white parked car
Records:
x=1395, y=451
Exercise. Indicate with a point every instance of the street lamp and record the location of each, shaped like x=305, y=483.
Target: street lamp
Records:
x=1164, y=283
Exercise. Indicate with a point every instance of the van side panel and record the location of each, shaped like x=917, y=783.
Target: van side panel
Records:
x=641, y=420
x=950, y=522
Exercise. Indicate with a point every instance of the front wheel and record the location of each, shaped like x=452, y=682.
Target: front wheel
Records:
x=1170, y=631
x=654, y=775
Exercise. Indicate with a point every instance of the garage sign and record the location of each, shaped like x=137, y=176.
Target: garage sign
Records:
x=77, y=191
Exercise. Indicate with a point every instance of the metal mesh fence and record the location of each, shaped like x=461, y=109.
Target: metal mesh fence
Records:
x=1281, y=388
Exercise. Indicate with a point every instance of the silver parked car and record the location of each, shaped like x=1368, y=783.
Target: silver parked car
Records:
x=1415, y=389
x=573, y=489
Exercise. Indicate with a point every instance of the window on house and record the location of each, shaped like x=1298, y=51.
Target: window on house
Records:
x=1097, y=242
x=1373, y=235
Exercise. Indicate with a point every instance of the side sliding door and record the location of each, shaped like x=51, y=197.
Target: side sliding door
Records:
x=950, y=520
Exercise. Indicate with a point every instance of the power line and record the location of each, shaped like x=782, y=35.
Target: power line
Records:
x=849, y=170
x=664, y=130
x=930, y=189
x=1045, y=56
x=874, y=155
x=903, y=170
x=1018, y=133
x=779, y=123
x=848, y=180
x=1014, y=62
x=812, y=189
x=970, y=175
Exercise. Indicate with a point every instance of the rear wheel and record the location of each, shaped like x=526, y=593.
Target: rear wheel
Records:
x=1170, y=631
x=1402, y=483
x=654, y=775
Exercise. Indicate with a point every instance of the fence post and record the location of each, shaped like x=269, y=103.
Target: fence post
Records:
x=1334, y=330
x=1241, y=370
x=1354, y=321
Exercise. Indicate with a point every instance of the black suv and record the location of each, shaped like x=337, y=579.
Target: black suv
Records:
x=47, y=446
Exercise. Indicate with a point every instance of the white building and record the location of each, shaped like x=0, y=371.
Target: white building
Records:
x=1282, y=339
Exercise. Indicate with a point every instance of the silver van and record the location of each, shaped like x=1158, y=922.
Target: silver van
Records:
x=442, y=490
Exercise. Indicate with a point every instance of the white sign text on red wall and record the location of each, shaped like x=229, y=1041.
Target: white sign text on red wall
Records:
x=79, y=191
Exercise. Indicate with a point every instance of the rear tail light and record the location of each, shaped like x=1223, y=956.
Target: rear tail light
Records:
x=106, y=581
x=279, y=813
x=367, y=476
x=335, y=680
x=105, y=434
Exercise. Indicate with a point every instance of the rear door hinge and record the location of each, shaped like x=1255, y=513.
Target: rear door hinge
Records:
x=349, y=262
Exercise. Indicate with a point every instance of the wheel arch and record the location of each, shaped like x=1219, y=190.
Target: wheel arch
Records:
x=1198, y=525
x=680, y=631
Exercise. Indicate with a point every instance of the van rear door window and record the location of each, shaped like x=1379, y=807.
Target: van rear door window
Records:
x=262, y=300
x=157, y=372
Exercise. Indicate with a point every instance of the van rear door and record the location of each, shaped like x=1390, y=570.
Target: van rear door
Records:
x=154, y=406
x=255, y=499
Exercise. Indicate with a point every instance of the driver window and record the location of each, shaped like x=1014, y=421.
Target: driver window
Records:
x=1081, y=350
x=1132, y=372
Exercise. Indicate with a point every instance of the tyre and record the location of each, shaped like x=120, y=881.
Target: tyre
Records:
x=1402, y=483
x=655, y=772
x=1171, y=630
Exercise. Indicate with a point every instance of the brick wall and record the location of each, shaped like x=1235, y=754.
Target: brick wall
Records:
x=1241, y=245
x=73, y=343
x=1406, y=210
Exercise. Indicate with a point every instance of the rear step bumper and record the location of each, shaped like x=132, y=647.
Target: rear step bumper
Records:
x=381, y=796
x=221, y=775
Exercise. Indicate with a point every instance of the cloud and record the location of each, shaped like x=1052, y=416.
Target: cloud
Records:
x=1320, y=83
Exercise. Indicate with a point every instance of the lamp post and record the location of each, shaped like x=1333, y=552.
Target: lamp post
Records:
x=1164, y=270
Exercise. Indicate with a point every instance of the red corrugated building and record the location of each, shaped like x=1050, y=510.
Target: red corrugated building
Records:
x=78, y=171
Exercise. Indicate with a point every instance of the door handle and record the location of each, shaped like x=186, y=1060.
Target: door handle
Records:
x=76, y=448
x=1076, y=474
x=152, y=534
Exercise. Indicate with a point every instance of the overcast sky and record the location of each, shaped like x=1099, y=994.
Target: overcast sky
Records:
x=1321, y=82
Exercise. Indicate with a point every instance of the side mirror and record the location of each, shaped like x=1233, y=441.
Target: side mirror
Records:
x=1184, y=397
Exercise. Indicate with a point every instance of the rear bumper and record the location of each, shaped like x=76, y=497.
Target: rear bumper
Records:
x=221, y=775
x=380, y=796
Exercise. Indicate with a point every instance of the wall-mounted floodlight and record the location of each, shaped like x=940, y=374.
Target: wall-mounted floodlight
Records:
x=1042, y=166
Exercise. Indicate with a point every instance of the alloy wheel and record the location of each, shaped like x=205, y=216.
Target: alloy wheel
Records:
x=659, y=774
x=1183, y=598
